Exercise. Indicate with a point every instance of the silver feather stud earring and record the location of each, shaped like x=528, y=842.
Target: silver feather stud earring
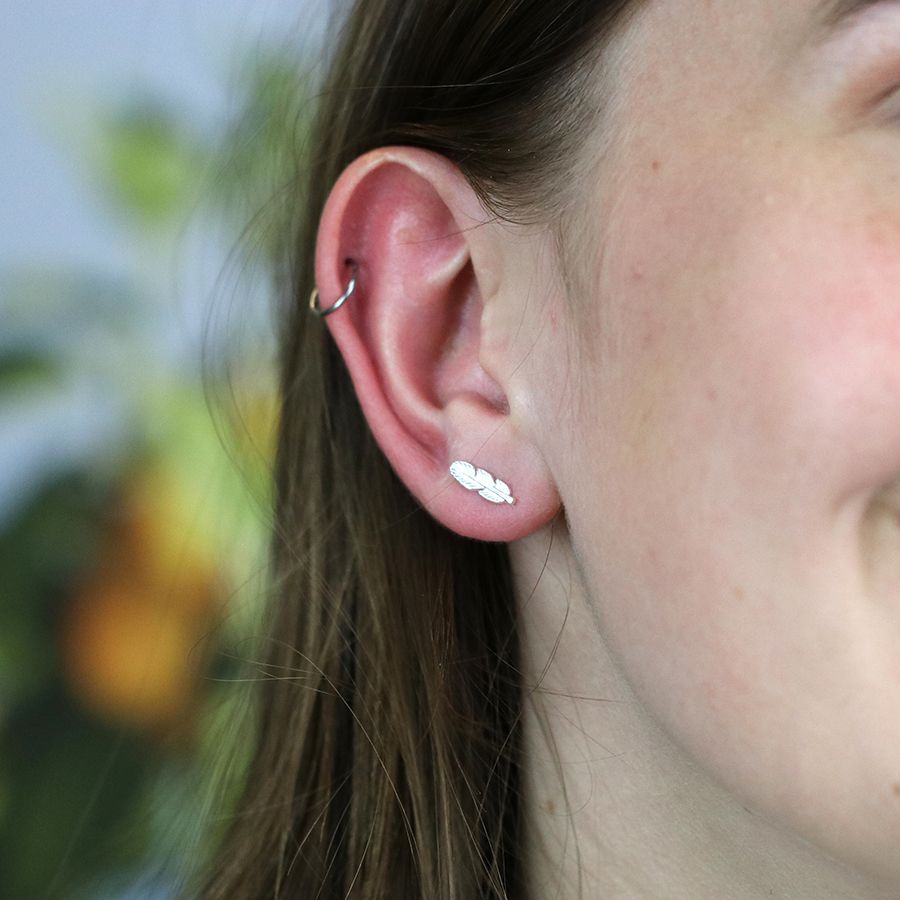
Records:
x=481, y=480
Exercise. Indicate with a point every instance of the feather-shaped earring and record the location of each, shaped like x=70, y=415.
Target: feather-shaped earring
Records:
x=480, y=480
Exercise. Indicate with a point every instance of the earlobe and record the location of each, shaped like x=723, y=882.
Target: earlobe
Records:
x=409, y=328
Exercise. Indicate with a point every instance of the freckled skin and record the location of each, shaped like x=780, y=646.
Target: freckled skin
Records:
x=742, y=426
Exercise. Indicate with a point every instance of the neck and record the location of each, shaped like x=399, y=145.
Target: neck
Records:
x=613, y=808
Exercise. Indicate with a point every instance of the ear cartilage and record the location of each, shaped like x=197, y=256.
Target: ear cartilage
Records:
x=481, y=480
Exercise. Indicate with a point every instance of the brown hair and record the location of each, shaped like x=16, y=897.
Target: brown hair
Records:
x=383, y=754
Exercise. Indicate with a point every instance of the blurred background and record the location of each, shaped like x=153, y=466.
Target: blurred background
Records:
x=139, y=143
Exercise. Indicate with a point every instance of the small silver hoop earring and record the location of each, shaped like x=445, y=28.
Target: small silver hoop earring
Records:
x=351, y=287
x=481, y=480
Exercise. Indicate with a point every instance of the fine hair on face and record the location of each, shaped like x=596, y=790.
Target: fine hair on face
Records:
x=383, y=738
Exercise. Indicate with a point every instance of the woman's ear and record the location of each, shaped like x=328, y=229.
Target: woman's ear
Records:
x=428, y=258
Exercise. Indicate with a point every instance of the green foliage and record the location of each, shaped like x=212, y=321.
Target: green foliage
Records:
x=149, y=161
x=89, y=803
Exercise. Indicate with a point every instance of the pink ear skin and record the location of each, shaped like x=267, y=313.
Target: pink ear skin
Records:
x=411, y=336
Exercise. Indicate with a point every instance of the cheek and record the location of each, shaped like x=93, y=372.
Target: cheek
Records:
x=752, y=392
x=816, y=311
x=774, y=344
x=756, y=359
